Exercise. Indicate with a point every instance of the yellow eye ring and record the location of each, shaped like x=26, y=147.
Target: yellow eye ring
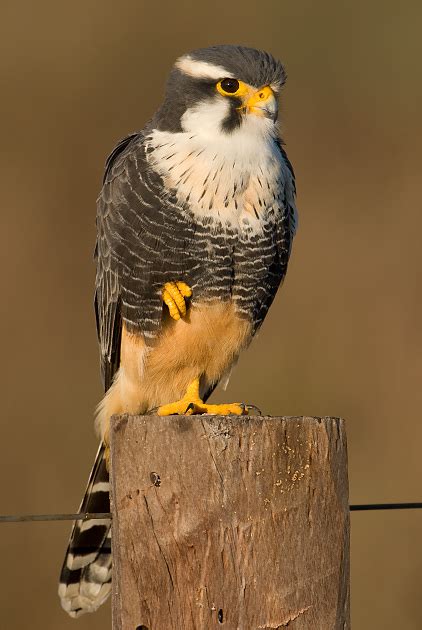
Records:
x=228, y=87
x=232, y=87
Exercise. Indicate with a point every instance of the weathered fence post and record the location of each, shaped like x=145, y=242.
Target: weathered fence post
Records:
x=235, y=522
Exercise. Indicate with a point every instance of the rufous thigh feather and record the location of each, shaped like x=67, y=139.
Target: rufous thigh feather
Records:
x=203, y=344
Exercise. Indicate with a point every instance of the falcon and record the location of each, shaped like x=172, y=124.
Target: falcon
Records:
x=195, y=222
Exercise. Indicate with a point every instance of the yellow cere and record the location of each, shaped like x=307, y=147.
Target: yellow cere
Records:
x=260, y=96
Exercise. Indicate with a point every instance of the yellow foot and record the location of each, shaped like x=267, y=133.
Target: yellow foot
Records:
x=174, y=294
x=192, y=404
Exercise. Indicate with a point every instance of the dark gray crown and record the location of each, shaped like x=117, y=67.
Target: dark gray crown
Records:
x=252, y=66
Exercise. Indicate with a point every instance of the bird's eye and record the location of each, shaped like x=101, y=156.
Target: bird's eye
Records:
x=228, y=86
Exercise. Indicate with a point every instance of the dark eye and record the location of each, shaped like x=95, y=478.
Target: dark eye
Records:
x=230, y=85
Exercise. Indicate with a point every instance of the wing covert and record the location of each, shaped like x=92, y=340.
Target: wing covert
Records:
x=107, y=285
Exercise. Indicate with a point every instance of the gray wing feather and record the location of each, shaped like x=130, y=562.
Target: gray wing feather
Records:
x=107, y=286
x=143, y=241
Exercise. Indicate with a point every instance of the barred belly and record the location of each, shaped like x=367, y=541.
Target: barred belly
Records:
x=238, y=267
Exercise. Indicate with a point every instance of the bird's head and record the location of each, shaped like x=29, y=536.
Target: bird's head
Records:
x=222, y=90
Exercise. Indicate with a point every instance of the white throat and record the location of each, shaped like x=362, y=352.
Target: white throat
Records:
x=233, y=178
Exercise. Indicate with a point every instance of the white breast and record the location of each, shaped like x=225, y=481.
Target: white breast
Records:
x=231, y=178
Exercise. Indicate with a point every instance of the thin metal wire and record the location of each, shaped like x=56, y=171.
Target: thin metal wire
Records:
x=385, y=506
x=80, y=516
x=85, y=516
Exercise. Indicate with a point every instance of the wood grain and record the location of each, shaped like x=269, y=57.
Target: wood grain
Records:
x=234, y=522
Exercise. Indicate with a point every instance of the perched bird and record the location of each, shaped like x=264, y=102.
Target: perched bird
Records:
x=195, y=222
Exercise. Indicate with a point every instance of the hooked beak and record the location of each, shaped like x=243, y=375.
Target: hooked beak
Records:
x=261, y=102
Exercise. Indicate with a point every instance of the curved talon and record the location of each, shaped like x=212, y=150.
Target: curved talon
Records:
x=232, y=409
x=174, y=294
x=184, y=289
x=191, y=404
x=198, y=407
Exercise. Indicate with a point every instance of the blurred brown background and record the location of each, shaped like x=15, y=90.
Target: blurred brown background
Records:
x=345, y=334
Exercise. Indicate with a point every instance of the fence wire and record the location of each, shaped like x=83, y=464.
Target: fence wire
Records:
x=85, y=516
x=79, y=516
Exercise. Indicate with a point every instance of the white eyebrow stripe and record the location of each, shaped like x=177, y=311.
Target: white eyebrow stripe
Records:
x=201, y=69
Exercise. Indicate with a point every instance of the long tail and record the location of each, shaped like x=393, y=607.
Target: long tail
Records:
x=85, y=579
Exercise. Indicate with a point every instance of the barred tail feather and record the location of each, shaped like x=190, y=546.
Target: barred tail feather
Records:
x=85, y=579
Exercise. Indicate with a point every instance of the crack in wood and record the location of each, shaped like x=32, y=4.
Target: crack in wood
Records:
x=286, y=622
x=158, y=543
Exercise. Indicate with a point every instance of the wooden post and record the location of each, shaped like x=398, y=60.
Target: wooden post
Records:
x=234, y=522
